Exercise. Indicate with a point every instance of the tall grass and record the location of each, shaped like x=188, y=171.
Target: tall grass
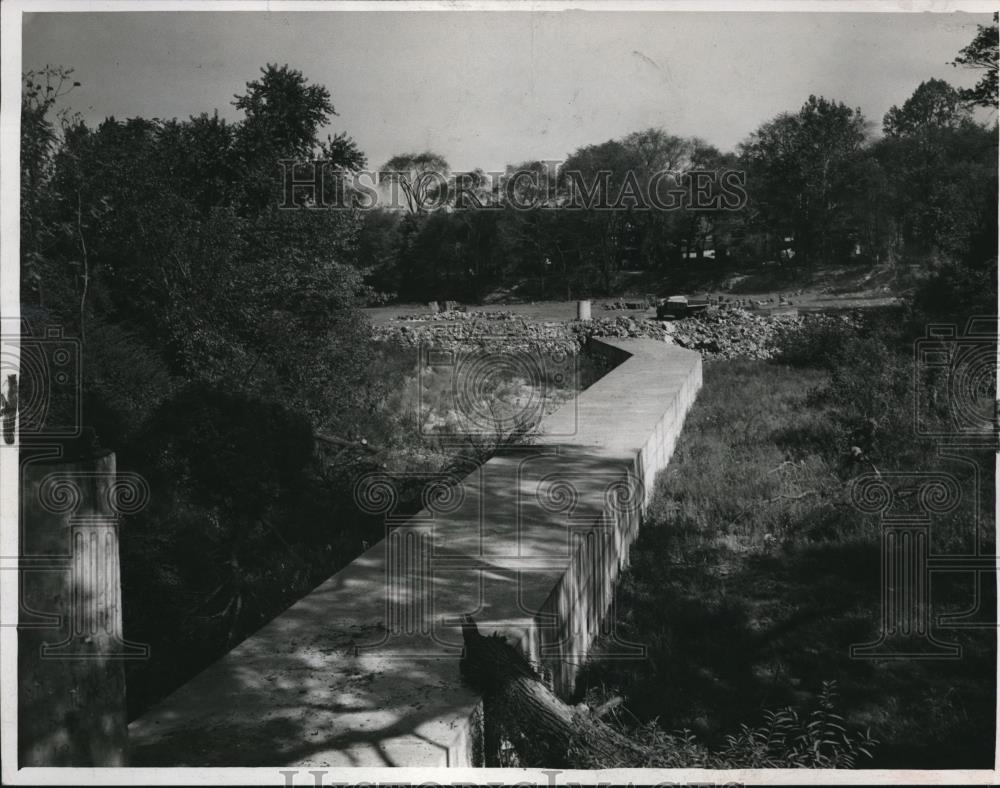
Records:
x=754, y=574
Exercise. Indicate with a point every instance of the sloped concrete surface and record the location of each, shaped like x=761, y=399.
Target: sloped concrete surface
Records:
x=364, y=671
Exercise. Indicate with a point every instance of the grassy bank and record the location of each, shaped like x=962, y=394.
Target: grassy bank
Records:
x=754, y=575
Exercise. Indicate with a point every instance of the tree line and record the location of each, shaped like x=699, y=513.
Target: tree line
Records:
x=218, y=337
x=821, y=189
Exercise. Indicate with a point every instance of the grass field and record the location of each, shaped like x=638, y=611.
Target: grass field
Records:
x=754, y=575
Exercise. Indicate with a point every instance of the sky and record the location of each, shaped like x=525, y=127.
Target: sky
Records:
x=486, y=89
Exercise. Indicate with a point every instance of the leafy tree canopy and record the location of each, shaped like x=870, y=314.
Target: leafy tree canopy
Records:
x=982, y=53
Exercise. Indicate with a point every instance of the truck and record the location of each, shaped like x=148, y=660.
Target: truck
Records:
x=679, y=306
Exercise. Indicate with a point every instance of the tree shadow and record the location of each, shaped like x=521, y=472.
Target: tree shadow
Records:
x=365, y=669
x=726, y=642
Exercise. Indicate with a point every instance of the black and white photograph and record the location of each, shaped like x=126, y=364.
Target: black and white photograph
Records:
x=473, y=392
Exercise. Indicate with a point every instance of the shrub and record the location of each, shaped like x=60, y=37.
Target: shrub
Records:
x=228, y=539
x=380, y=297
x=786, y=739
x=955, y=291
x=226, y=451
x=816, y=342
x=125, y=381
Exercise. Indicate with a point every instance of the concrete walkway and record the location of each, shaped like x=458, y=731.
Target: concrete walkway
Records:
x=364, y=671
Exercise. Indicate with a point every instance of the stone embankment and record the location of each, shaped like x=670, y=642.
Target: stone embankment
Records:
x=719, y=332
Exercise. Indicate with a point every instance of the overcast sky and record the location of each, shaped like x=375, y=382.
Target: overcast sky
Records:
x=490, y=88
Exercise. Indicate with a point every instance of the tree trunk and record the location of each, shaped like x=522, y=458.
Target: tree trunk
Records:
x=521, y=709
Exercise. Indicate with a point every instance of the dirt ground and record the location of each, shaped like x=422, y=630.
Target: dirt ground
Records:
x=845, y=287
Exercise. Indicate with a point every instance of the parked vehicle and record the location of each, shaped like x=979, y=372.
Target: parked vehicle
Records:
x=680, y=306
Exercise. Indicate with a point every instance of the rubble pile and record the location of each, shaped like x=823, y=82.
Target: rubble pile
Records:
x=455, y=314
x=463, y=330
x=722, y=332
x=619, y=327
x=731, y=332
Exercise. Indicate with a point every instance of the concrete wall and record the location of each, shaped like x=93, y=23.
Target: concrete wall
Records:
x=649, y=391
x=365, y=669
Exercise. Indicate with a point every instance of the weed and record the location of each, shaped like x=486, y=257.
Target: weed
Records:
x=754, y=574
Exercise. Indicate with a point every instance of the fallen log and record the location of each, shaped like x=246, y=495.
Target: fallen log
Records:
x=518, y=707
x=333, y=440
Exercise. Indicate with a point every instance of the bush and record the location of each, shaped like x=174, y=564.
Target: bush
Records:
x=125, y=381
x=231, y=453
x=871, y=393
x=380, y=298
x=226, y=541
x=955, y=291
x=817, y=342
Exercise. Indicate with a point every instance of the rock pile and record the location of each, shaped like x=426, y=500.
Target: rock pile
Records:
x=719, y=332
x=620, y=327
x=455, y=314
x=730, y=333
x=462, y=330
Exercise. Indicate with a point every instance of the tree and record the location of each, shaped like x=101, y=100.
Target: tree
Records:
x=420, y=176
x=543, y=731
x=283, y=113
x=934, y=105
x=939, y=170
x=982, y=53
x=376, y=251
x=221, y=330
x=802, y=172
x=40, y=138
x=519, y=707
x=283, y=118
x=615, y=210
